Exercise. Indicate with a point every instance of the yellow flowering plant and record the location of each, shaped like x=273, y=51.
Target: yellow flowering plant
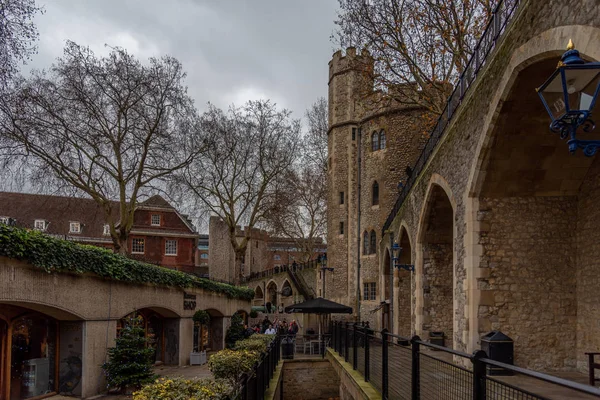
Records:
x=183, y=389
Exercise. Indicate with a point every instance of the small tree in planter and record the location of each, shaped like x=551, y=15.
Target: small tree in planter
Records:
x=235, y=331
x=202, y=318
x=130, y=362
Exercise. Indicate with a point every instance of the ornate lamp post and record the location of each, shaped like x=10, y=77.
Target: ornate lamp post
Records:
x=569, y=95
x=324, y=268
x=396, y=251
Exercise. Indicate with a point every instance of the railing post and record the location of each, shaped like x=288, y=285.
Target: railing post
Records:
x=354, y=346
x=384, y=366
x=367, y=356
x=346, y=340
x=245, y=388
x=479, y=372
x=416, y=368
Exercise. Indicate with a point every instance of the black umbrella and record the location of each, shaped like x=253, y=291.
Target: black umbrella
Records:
x=319, y=306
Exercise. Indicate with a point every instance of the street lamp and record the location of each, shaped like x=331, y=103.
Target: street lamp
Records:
x=324, y=268
x=396, y=251
x=569, y=95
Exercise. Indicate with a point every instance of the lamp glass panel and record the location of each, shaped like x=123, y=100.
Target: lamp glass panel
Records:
x=581, y=87
x=554, y=96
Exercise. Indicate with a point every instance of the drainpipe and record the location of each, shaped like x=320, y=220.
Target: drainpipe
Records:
x=391, y=277
x=358, y=233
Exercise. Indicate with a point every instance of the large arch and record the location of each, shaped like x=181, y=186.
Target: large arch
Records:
x=272, y=294
x=435, y=264
x=530, y=218
x=216, y=330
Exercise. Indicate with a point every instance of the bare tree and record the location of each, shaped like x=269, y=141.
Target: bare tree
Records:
x=420, y=47
x=18, y=35
x=300, y=212
x=249, y=148
x=108, y=127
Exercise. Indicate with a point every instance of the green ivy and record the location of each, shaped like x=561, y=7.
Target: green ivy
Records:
x=56, y=255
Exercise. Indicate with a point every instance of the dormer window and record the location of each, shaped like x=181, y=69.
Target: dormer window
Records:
x=155, y=220
x=4, y=220
x=40, y=224
x=74, y=227
x=106, y=231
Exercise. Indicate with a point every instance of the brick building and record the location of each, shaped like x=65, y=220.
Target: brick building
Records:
x=160, y=234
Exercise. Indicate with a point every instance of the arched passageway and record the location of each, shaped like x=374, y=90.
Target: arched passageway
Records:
x=437, y=269
x=539, y=217
x=403, y=312
x=272, y=296
x=215, y=334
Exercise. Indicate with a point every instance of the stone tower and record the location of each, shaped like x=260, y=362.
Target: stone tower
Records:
x=371, y=143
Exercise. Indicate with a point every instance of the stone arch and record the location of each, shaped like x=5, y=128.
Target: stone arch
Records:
x=272, y=294
x=54, y=311
x=165, y=312
x=373, y=242
x=435, y=262
x=365, y=243
x=258, y=293
x=285, y=287
x=403, y=285
x=549, y=192
x=216, y=330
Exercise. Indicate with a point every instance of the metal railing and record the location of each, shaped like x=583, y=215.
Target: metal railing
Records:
x=501, y=16
x=256, y=383
x=412, y=369
x=281, y=269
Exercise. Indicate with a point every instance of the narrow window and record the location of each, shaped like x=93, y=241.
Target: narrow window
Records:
x=375, y=141
x=4, y=220
x=106, y=230
x=40, y=224
x=155, y=220
x=170, y=247
x=365, y=243
x=353, y=133
x=137, y=246
x=341, y=197
x=373, y=246
x=373, y=290
x=375, y=197
x=74, y=227
x=341, y=228
x=366, y=292
x=382, y=139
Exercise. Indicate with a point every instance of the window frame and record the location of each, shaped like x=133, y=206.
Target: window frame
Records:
x=382, y=140
x=373, y=242
x=152, y=223
x=375, y=141
x=72, y=224
x=369, y=291
x=171, y=241
x=365, y=243
x=375, y=193
x=43, y=221
x=341, y=231
x=342, y=198
x=143, y=244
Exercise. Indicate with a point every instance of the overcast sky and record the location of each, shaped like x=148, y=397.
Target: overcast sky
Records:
x=232, y=50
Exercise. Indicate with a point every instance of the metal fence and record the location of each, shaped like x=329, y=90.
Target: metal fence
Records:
x=256, y=383
x=283, y=268
x=412, y=369
x=500, y=18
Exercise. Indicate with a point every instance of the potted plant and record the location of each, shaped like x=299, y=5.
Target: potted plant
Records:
x=202, y=318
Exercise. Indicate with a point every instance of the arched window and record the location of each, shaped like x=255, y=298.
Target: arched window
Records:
x=366, y=243
x=375, y=198
x=373, y=246
x=382, y=139
x=375, y=141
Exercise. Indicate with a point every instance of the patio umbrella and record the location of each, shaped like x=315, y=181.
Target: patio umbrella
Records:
x=319, y=306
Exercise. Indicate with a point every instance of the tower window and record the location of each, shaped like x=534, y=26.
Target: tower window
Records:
x=341, y=228
x=382, y=142
x=353, y=133
x=365, y=243
x=341, y=197
x=375, y=197
x=369, y=291
x=375, y=141
x=373, y=246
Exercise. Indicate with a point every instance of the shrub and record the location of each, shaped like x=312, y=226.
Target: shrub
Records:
x=183, y=389
x=251, y=345
x=56, y=255
x=130, y=361
x=253, y=314
x=235, y=331
x=231, y=365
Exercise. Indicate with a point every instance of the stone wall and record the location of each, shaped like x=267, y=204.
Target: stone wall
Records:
x=309, y=380
x=529, y=292
x=222, y=256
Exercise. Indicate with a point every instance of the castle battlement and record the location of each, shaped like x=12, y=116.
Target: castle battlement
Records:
x=341, y=62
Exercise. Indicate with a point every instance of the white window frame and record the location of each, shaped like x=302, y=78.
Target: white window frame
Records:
x=43, y=222
x=170, y=241
x=74, y=224
x=143, y=244
x=152, y=223
x=106, y=230
x=4, y=220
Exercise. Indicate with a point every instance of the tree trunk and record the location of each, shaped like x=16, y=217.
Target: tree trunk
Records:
x=237, y=268
x=123, y=243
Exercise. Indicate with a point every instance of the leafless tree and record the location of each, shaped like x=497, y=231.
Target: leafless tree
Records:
x=300, y=212
x=249, y=148
x=109, y=127
x=18, y=36
x=420, y=47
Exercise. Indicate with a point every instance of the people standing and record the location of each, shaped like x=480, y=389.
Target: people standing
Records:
x=268, y=305
x=270, y=331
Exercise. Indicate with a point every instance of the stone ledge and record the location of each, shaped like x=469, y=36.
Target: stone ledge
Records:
x=364, y=389
x=274, y=384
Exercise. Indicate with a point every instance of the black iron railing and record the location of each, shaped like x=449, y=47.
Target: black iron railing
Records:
x=281, y=269
x=501, y=16
x=256, y=383
x=412, y=369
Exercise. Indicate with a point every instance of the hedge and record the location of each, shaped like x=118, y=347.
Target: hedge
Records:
x=56, y=255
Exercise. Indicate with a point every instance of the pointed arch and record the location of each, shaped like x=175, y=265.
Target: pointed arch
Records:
x=373, y=242
x=365, y=243
x=382, y=140
x=375, y=141
x=258, y=293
